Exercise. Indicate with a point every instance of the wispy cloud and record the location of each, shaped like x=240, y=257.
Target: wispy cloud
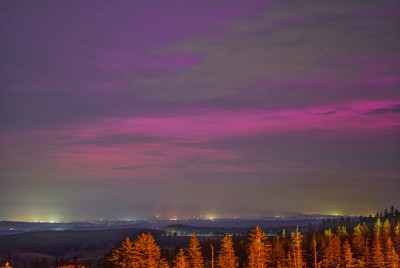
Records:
x=203, y=126
x=391, y=109
x=168, y=144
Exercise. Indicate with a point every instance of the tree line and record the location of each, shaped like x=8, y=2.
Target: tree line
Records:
x=365, y=245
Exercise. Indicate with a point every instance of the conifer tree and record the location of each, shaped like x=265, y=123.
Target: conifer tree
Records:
x=378, y=258
x=368, y=260
x=259, y=251
x=331, y=251
x=226, y=256
x=180, y=260
x=397, y=237
x=386, y=230
x=6, y=265
x=284, y=240
x=142, y=253
x=195, y=257
x=360, y=244
x=391, y=257
x=147, y=254
x=336, y=246
x=347, y=259
x=314, y=250
x=122, y=257
x=342, y=233
x=296, y=250
x=278, y=253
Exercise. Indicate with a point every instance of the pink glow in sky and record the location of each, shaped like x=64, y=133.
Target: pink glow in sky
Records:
x=208, y=126
x=155, y=146
x=184, y=107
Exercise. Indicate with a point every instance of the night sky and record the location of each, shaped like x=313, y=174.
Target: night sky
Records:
x=131, y=109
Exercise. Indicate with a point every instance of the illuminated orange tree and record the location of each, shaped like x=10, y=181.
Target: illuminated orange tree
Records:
x=390, y=254
x=396, y=239
x=278, y=253
x=378, y=257
x=391, y=257
x=360, y=244
x=122, y=257
x=6, y=265
x=227, y=257
x=181, y=260
x=296, y=250
x=331, y=256
x=347, y=259
x=142, y=253
x=195, y=257
x=259, y=249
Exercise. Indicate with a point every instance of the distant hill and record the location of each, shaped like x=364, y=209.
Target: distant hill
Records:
x=13, y=227
x=58, y=242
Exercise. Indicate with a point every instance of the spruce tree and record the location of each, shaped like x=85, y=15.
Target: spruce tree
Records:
x=278, y=253
x=259, y=251
x=347, y=259
x=386, y=230
x=377, y=249
x=360, y=244
x=296, y=250
x=122, y=257
x=342, y=233
x=195, y=257
x=181, y=260
x=331, y=250
x=142, y=253
x=314, y=250
x=147, y=254
x=392, y=259
x=226, y=256
x=284, y=240
x=397, y=238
